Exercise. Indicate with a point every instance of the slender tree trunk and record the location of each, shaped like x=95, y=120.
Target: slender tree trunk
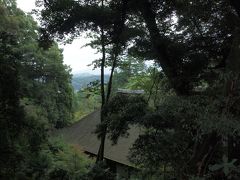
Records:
x=118, y=29
x=116, y=52
x=100, y=154
x=111, y=77
x=153, y=84
x=102, y=66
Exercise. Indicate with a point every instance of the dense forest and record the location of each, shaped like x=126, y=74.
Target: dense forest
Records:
x=189, y=113
x=36, y=97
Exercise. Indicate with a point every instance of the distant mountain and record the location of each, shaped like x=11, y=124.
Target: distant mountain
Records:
x=81, y=80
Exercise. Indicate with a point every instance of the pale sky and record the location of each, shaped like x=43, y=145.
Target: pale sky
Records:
x=74, y=55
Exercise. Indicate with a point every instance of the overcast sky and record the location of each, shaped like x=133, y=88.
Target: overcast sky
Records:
x=75, y=56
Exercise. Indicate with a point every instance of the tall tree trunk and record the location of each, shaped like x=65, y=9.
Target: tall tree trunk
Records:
x=100, y=154
x=116, y=50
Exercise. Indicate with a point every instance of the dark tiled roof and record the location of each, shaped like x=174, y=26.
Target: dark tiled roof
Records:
x=82, y=134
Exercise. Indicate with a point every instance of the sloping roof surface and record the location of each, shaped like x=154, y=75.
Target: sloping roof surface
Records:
x=82, y=134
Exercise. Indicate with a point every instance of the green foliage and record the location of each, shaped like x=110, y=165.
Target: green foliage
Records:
x=228, y=168
x=199, y=39
x=177, y=132
x=197, y=45
x=100, y=171
x=119, y=112
x=12, y=120
x=87, y=100
x=131, y=73
x=57, y=160
x=47, y=81
x=172, y=127
x=35, y=96
x=174, y=133
x=68, y=162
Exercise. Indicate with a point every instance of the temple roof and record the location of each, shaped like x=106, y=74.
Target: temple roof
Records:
x=82, y=134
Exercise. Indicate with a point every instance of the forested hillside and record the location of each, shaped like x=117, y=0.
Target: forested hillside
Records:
x=82, y=80
x=189, y=114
